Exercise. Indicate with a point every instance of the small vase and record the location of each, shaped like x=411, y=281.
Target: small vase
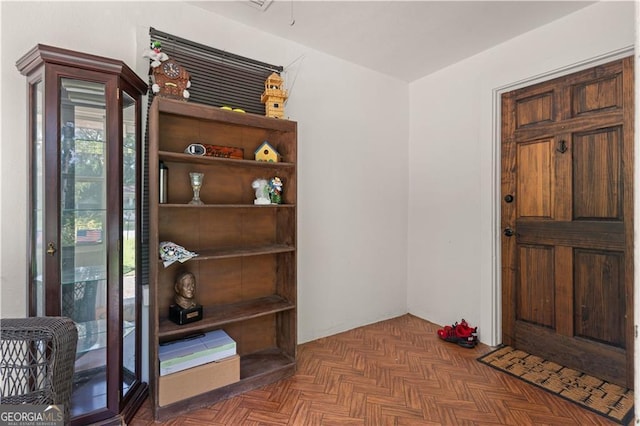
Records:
x=196, y=184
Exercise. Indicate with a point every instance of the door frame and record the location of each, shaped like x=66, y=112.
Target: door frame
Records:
x=495, y=329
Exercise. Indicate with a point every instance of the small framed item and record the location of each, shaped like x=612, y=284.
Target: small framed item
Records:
x=224, y=152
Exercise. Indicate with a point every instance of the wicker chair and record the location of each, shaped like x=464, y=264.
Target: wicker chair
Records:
x=37, y=364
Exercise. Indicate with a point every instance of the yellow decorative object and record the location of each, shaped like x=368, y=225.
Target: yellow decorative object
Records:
x=265, y=152
x=274, y=96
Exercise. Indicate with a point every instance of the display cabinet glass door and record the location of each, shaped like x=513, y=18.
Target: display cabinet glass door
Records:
x=129, y=253
x=38, y=300
x=83, y=227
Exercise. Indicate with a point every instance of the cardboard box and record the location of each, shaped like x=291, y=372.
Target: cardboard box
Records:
x=194, y=381
x=191, y=352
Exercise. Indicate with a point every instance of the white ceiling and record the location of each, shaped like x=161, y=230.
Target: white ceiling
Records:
x=404, y=39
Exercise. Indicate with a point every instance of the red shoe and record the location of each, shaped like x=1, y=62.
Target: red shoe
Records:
x=448, y=333
x=468, y=336
x=463, y=328
x=461, y=334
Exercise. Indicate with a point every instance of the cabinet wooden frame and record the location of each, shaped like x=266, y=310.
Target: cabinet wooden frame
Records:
x=246, y=265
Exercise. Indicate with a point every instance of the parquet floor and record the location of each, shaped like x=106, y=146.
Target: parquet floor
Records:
x=395, y=372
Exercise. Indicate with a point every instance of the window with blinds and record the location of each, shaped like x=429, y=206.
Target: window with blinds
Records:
x=218, y=78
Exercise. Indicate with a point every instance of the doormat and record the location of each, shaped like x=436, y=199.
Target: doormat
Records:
x=601, y=397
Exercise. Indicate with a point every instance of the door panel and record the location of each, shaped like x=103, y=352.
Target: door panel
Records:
x=536, y=293
x=597, y=95
x=535, y=109
x=534, y=182
x=567, y=269
x=599, y=309
x=597, y=174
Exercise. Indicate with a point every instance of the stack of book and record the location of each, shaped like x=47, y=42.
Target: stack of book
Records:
x=195, y=350
x=196, y=365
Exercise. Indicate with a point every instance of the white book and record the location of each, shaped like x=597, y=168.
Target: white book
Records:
x=193, y=351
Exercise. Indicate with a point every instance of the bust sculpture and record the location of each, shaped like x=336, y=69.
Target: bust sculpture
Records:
x=185, y=288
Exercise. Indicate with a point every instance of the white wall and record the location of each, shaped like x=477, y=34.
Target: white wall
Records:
x=452, y=185
x=352, y=151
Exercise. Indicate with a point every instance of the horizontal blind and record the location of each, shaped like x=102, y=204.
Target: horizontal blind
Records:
x=218, y=78
x=145, y=261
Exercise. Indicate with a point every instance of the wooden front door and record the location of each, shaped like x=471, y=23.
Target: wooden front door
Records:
x=567, y=220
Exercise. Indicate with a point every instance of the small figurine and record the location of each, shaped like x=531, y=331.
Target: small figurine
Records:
x=262, y=191
x=156, y=54
x=275, y=190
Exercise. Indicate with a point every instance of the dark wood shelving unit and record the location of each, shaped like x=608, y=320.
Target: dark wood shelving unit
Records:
x=246, y=265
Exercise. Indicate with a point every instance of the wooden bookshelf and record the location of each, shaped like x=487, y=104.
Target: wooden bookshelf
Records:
x=246, y=265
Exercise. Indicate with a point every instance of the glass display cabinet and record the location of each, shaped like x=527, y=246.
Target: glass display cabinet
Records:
x=84, y=220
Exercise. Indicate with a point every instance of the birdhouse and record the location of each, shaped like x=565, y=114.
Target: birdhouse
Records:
x=274, y=96
x=265, y=152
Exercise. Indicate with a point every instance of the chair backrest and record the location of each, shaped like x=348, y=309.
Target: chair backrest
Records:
x=37, y=361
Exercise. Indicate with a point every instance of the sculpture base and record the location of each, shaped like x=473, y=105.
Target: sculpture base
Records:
x=183, y=316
